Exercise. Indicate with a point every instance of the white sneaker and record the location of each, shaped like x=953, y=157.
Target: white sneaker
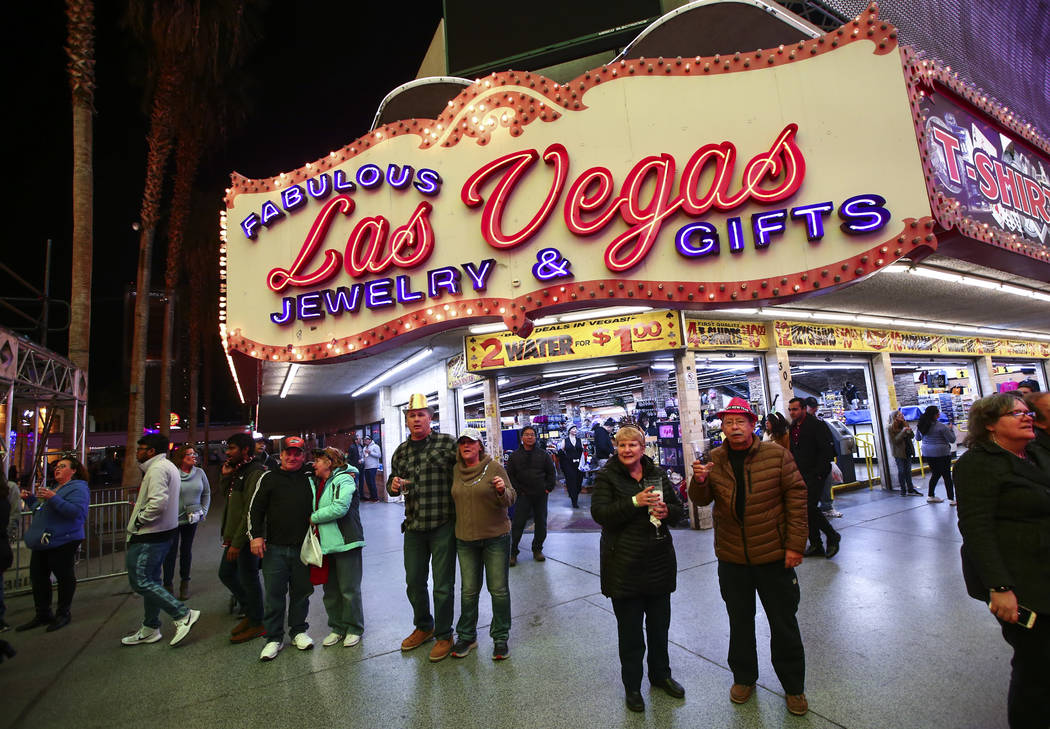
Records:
x=934, y=499
x=183, y=625
x=303, y=642
x=270, y=651
x=142, y=635
x=331, y=639
x=953, y=502
x=351, y=640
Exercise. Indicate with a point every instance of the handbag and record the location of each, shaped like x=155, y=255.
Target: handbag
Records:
x=310, y=554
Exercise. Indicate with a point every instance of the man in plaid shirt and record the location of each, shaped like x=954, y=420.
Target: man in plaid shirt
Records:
x=421, y=468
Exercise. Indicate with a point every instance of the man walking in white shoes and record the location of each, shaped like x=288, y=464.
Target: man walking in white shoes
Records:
x=278, y=519
x=153, y=523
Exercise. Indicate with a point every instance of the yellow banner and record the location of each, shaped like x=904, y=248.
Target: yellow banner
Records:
x=653, y=331
x=703, y=334
x=801, y=335
x=456, y=373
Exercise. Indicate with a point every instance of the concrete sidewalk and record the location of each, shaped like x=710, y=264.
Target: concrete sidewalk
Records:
x=891, y=640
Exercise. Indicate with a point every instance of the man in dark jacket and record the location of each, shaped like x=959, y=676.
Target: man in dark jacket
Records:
x=239, y=568
x=278, y=519
x=760, y=532
x=813, y=450
x=601, y=442
x=531, y=473
x=355, y=457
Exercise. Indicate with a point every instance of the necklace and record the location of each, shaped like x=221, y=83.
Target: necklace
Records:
x=478, y=479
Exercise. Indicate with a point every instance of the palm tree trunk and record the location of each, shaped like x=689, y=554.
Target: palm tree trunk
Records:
x=160, y=143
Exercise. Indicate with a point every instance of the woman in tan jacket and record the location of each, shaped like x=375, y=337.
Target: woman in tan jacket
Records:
x=482, y=493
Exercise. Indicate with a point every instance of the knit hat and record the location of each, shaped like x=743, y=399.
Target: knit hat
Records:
x=738, y=406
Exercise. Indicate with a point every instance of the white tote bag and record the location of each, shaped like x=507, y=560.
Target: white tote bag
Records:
x=310, y=554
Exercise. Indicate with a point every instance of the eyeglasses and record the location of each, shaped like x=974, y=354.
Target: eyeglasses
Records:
x=1020, y=414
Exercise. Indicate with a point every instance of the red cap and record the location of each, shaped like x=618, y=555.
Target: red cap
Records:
x=738, y=406
x=292, y=441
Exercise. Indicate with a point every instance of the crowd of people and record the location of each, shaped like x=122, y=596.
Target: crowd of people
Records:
x=297, y=526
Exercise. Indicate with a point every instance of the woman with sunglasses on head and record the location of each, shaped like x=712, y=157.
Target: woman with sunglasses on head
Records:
x=56, y=531
x=1004, y=517
x=194, y=500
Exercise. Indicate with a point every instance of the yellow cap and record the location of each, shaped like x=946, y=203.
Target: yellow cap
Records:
x=417, y=401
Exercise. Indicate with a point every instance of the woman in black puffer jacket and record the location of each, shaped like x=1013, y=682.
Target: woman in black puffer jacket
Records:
x=634, y=502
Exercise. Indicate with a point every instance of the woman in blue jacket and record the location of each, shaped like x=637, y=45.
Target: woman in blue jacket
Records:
x=53, y=536
x=337, y=518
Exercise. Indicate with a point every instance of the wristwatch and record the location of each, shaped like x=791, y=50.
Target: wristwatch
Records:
x=1001, y=588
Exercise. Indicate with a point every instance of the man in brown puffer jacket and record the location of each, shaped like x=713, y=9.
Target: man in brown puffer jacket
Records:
x=760, y=534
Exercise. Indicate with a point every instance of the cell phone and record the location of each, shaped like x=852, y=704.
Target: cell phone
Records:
x=1025, y=616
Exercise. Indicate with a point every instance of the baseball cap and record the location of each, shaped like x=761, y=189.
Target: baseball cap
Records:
x=292, y=441
x=470, y=434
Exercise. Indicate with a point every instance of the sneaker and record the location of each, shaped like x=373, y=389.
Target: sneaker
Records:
x=739, y=693
x=500, y=650
x=440, y=650
x=142, y=635
x=183, y=625
x=270, y=651
x=351, y=640
x=953, y=502
x=302, y=641
x=463, y=648
x=797, y=704
x=331, y=639
x=418, y=638
x=4, y=627
x=253, y=631
x=934, y=499
x=832, y=514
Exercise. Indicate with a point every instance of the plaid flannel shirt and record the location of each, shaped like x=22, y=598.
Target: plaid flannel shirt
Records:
x=428, y=499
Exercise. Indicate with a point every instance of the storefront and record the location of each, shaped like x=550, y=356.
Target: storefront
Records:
x=529, y=206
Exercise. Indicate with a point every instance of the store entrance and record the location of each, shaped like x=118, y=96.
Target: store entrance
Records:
x=844, y=390
x=1009, y=374
x=950, y=385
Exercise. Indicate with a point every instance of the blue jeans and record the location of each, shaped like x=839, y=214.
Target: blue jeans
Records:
x=241, y=578
x=904, y=474
x=370, y=483
x=284, y=575
x=342, y=593
x=437, y=546
x=181, y=549
x=492, y=555
x=143, y=561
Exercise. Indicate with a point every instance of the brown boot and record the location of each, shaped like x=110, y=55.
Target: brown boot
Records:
x=240, y=626
x=739, y=693
x=797, y=704
x=416, y=639
x=250, y=632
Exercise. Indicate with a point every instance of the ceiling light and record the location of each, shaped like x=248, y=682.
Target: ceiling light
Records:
x=980, y=283
x=1016, y=290
x=661, y=367
x=874, y=319
x=293, y=370
x=831, y=316
x=488, y=328
x=400, y=367
x=937, y=274
x=570, y=373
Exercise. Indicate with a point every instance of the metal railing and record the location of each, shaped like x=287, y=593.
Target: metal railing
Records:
x=100, y=555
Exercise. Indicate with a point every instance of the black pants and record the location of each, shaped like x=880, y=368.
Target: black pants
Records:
x=58, y=562
x=941, y=466
x=817, y=521
x=656, y=609
x=573, y=484
x=181, y=549
x=1026, y=703
x=777, y=588
x=534, y=506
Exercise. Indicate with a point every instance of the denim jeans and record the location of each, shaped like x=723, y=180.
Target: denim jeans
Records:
x=437, y=546
x=284, y=575
x=904, y=474
x=370, y=483
x=342, y=593
x=143, y=561
x=181, y=549
x=241, y=578
x=492, y=556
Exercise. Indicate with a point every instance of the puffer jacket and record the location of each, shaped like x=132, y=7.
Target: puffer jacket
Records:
x=60, y=519
x=774, y=508
x=531, y=472
x=636, y=557
x=338, y=512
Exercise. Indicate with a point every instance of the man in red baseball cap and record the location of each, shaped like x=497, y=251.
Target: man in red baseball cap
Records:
x=760, y=533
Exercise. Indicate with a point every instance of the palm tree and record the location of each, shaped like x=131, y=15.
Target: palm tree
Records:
x=80, y=48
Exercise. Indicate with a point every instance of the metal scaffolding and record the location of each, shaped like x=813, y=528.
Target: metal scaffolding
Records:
x=35, y=380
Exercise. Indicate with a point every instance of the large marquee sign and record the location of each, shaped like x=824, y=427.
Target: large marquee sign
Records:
x=682, y=183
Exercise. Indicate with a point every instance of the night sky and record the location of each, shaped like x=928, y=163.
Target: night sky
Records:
x=316, y=78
